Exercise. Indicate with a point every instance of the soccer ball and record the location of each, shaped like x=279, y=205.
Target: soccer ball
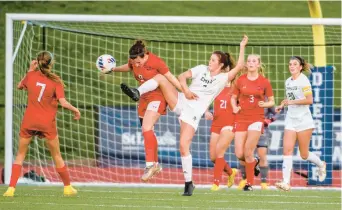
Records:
x=105, y=63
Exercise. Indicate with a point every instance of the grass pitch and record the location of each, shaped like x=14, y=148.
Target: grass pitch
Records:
x=34, y=197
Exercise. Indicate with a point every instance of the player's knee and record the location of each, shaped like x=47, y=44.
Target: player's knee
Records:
x=304, y=155
x=159, y=77
x=263, y=160
x=184, y=149
x=287, y=152
x=145, y=128
x=239, y=155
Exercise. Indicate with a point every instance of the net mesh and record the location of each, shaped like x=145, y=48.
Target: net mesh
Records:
x=106, y=145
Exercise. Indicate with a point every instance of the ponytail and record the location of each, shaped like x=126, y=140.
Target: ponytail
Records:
x=45, y=63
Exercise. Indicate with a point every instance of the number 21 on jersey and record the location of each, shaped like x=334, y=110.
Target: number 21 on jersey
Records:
x=43, y=86
x=223, y=104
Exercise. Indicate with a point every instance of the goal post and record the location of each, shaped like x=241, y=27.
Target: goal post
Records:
x=106, y=145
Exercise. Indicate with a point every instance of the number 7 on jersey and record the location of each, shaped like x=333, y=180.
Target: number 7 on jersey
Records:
x=43, y=86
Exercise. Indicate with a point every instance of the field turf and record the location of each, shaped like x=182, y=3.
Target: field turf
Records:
x=155, y=198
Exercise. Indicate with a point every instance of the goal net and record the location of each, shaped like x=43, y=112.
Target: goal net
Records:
x=106, y=145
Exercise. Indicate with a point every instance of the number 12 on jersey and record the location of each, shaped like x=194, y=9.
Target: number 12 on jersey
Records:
x=43, y=86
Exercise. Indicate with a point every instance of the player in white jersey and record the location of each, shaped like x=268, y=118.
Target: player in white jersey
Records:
x=298, y=122
x=206, y=83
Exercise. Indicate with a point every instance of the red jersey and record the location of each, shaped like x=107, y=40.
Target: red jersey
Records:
x=153, y=66
x=223, y=111
x=249, y=94
x=42, y=101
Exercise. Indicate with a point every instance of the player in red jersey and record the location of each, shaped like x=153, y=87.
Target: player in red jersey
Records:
x=221, y=135
x=45, y=89
x=250, y=91
x=145, y=65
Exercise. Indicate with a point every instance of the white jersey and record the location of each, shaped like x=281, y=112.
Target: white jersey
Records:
x=297, y=90
x=205, y=86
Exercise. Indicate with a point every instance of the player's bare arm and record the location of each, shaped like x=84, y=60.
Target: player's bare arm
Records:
x=268, y=104
x=33, y=67
x=122, y=68
x=185, y=89
x=235, y=107
x=241, y=61
x=208, y=115
x=65, y=104
x=173, y=80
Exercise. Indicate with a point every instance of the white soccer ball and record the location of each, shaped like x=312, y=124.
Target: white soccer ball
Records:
x=105, y=63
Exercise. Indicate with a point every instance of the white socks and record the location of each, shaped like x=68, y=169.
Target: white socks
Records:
x=187, y=167
x=148, y=86
x=149, y=164
x=287, y=168
x=313, y=158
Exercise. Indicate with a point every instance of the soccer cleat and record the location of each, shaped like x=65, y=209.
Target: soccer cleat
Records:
x=282, y=186
x=247, y=187
x=133, y=93
x=242, y=184
x=256, y=167
x=188, y=188
x=264, y=186
x=232, y=177
x=69, y=190
x=9, y=192
x=322, y=172
x=151, y=171
x=215, y=187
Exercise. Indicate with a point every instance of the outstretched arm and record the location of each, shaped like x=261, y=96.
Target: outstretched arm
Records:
x=185, y=89
x=241, y=61
x=122, y=68
x=65, y=104
x=173, y=80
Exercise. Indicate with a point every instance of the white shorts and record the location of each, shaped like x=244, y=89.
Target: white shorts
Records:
x=303, y=123
x=186, y=112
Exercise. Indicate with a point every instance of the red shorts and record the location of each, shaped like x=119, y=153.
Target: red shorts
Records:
x=218, y=129
x=156, y=103
x=27, y=133
x=252, y=125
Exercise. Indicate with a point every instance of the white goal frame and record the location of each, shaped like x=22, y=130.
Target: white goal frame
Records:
x=10, y=55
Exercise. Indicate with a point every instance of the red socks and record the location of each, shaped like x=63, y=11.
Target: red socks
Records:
x=16, y=171
x=220, y=165
x=151, y=146
x=64, y=174
x=227, y=168
x=250, y=172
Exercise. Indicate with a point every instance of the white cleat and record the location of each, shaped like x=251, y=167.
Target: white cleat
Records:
x=322, y=172
x=283, y=186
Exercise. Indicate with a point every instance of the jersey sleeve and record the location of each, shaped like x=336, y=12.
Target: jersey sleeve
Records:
x=24, y=82
x=59, y=91
x=162, y=67
x=197, y=70
x=306, y=88
x=268, y=89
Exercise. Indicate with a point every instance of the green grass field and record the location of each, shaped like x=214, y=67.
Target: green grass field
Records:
x=258, y=9
x=156, y=198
